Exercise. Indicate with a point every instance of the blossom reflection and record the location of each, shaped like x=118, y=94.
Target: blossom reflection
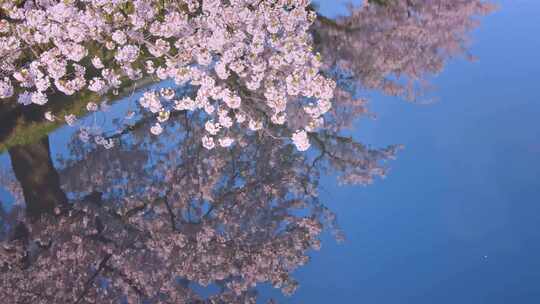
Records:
x=234, y=217
x=214, y=193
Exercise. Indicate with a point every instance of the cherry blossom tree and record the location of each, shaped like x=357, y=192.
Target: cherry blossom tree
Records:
x=263, y=46
x=222, y=190
x=227, y=50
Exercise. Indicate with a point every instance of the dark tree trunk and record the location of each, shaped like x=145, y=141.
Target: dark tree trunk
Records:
x=39, y=179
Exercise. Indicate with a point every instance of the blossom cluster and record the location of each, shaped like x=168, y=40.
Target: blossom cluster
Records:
x=231, y=51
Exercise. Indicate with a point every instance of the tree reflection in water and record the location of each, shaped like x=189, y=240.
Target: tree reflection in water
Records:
x=147, y=219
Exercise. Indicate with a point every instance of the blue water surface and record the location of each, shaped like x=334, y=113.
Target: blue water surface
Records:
x=457, y=219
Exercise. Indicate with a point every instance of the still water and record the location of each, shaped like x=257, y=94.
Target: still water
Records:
x=424, y=189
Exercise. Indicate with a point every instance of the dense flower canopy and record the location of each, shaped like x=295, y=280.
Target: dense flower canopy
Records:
x=230, y=51
x=227, y=49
